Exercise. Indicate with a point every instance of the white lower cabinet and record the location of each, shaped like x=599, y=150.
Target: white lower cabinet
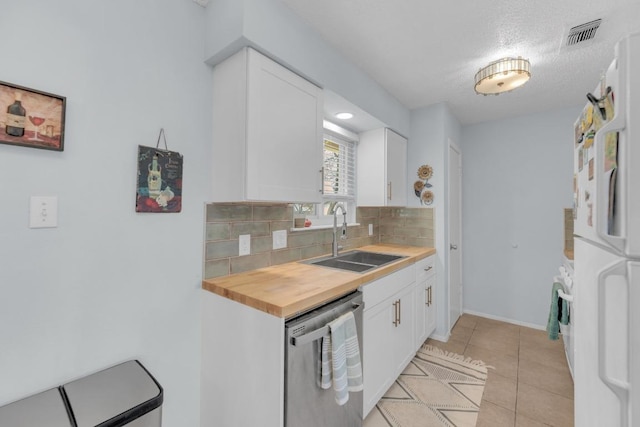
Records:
x=425, y=300
x=431, y=307
x=388, y=332
x=377, y=353
x=399, y=316
x=421, y=299
x=242, y=371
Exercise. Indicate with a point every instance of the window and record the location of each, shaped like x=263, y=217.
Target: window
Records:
x=339, y=184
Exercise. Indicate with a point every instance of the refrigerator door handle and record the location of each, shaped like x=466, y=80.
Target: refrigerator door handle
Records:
x=617, y=123
x=566, y=297
x=620, y=388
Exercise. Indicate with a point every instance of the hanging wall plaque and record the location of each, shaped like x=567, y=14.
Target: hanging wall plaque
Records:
x=421, y=187
x=159, y=187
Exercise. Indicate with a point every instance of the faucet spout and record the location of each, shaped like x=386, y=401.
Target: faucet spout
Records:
x=343, y=234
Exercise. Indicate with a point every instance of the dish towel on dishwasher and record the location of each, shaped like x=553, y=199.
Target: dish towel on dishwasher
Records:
x=558, y=312
x=340, y=358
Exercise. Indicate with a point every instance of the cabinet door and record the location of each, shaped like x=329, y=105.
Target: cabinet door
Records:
x=403, y=334
x=378, y=351
x=396, y=156
x=284, y=134
x=372, y=177
x=421, y=314
x=431, y=307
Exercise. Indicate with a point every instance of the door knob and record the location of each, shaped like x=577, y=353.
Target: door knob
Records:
x=453, y=247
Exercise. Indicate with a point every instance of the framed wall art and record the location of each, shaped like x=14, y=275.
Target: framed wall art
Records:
x=31, y=118
x=159, y=186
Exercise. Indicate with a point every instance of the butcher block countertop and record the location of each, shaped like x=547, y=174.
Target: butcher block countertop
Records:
x=569, y=254
x=286, y=290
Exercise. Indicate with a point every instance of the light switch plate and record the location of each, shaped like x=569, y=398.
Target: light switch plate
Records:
x=280, y=239
x=43, y=212
x=370, y=229
x=244, y=247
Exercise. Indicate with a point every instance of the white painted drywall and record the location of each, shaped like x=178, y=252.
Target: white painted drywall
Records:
x=108, y=284
x=275, y=30
x=516, y=179
x=431, y=129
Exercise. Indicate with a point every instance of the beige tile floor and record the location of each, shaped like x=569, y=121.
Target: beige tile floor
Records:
x=531, y=385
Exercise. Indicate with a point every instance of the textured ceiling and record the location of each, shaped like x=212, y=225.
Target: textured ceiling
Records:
x=427, y=51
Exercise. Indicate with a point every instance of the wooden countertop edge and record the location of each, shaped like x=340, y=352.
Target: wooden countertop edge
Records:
x=346, y=281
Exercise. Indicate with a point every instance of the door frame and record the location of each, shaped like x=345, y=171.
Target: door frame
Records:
x=453, y=146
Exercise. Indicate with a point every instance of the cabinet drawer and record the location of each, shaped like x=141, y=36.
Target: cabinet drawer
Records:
x=425, y=268
x=377, y=291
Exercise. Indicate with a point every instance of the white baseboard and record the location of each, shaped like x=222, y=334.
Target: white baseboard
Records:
x=441, y=338
x=503, y=319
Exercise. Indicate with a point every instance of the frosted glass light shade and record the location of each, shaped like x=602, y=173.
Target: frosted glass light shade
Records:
x=502, y=75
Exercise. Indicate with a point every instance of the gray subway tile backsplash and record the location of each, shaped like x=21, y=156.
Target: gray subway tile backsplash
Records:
x=226, y=221
x=226, y=212
x=216, y=268
x=272, y=212
x=255, y=228
x=218, y=231
x=250, y=262
x=221, y=249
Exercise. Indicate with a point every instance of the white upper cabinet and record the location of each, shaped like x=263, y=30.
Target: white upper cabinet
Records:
x=267, y=132
x=382, y=168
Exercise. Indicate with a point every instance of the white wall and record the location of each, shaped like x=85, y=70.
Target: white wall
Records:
x=272, y=28
x=516, y=179
x=431, y=129
x=108, y=284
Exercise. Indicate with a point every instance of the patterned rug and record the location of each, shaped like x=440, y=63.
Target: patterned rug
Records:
x=437, y=388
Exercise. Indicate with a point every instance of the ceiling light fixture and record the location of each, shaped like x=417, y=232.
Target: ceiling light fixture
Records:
x=502, y=75
x=344, y=116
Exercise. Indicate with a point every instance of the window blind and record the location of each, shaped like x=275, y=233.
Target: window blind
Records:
x=339, y=168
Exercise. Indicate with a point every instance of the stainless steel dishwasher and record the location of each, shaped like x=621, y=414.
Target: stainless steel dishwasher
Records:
x=306, y=404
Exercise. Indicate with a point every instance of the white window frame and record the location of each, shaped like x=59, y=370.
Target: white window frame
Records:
x=340, y=136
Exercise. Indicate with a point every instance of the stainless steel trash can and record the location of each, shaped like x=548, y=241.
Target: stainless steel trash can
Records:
x=124, y=395
x=43, y=409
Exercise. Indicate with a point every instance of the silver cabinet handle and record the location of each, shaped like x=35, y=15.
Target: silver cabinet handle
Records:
x=389, y=190
x=428, y=268
x=399, y=311
x=321, y=190
x=395, y=313
x=453, y=247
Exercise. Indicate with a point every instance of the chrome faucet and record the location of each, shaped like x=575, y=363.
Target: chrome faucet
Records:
x=343, y=233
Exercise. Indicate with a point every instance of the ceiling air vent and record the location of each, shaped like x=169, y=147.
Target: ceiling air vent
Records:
x=582, y=33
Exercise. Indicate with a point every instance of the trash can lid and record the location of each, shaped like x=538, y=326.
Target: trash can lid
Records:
x=40, y=410
x=113, y=397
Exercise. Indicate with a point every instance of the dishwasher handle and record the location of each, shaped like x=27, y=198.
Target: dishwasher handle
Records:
x=320, y=332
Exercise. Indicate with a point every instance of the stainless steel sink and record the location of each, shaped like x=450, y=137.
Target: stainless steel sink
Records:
x=358, y=261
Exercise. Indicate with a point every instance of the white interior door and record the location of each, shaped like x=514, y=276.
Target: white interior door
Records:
x=455, y=264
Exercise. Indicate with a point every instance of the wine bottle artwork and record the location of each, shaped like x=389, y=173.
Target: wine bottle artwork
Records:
x=16, y=117
x=36, y=119
x=159, y=180
x=154, y=179
x=31, y=118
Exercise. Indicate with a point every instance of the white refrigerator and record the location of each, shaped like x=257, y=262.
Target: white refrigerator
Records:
x=606, y=290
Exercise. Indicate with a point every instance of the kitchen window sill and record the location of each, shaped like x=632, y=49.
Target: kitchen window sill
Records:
x=323, y=227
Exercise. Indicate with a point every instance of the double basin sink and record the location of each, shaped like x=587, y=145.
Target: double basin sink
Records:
x=357, y=261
